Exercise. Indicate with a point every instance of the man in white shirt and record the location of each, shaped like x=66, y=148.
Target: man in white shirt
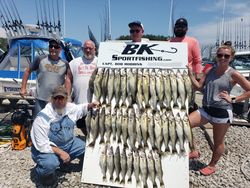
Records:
x=136, y=31
x=53, y=137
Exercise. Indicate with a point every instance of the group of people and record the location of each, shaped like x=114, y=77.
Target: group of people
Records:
x=52, y=133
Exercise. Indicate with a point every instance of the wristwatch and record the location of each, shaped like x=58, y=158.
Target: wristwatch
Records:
x=233, y=100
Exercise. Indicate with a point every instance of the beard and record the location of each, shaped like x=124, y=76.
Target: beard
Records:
x=89, y=56
x=180, y=33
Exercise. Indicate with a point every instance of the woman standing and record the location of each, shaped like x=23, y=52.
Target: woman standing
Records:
x=216, y=85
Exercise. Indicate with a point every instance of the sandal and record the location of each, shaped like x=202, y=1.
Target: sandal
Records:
x=208, y=170
x=194, y=154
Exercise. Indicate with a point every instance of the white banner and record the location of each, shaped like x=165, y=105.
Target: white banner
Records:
x=152, y=54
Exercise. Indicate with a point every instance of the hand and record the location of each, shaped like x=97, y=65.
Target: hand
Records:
x=23, y=92
x=94, y=104
x=64, y=156
x=190, y=70
x=224, y=95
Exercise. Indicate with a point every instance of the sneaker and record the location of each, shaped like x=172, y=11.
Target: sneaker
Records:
x=48, y=180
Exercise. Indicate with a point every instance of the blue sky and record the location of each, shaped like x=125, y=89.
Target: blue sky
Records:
x=203, y=16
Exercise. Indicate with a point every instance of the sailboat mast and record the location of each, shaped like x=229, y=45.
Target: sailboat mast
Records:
x=170, y=26
x=109, y=20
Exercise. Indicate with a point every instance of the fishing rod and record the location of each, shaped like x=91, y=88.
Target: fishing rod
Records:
x=45, y=17
x=6, y=24
x=42, y=21
x=6, y=28
x=13, y=22
x=50, y=24
x=37, y=16
x=59, y=21
x=54, y=19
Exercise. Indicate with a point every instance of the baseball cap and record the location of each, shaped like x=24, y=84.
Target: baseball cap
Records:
x=54, y=41
x=181, y=21
x=138, y=23
x=59, y=91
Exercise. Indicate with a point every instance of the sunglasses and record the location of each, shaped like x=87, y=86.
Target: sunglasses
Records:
x=88, y=48
x=226, y=56
x=59, y=98
x=54, y=46
x=134, y=31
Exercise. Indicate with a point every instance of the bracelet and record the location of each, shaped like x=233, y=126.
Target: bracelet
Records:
x=233, y=100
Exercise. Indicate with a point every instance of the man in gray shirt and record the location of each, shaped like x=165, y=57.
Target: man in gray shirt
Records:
x=51, y=71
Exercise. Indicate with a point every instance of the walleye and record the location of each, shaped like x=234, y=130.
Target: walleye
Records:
x=132, y=84
x=131, y=127
x=188, y=86
x=179, y=131
x=102, y=123
x=158, y=167
x=110, y=86
x=165, y=125
x=172, y=132
x=94, y=127
x=151, y=128
x=105, y=77
x=119, y=124
x=151, y=168
x=124, y=125
x=110, y=162
x=181, y=88
x=123, y=165
x=136, y=165
x=158, y=130
x=188, y=131
x=129, y=164
x=97, y=85
x=138, y=128
x=159, y=86
x=117, y=163
x=145, y=86
x=88, y=122
x=143, y=167
x=139, y=95
x=152, y=87
x=167, y=88
x=113, y=123
x=123, y=86
x=144, y=128
x=103, y=161
x=173, y=84
x=117, y=86
x=108, y=124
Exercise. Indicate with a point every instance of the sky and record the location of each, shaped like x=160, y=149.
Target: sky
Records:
x=204, y=16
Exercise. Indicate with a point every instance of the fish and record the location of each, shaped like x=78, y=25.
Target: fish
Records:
x=124, y=125
x=113, y=123
x=159, y=86
x=110, y=86
x=167, y=88
x=123, y=86
x=108, y=124
x=91, y=82
x=152, y=89
x=143, y=167
x=88, y=122
x=158, y=130
x=188, y=131
x=117, y=163
x=110, y=162
x=173, y=85
x=105, y=77
x=145, y=86
x=151, y=168
x=131, y=127
x=103, y=161
x=129, y=164
x=181, y=88
x=117, y=86
x=165, y=129
x=151, y=128
x=139, y=94
x=102, y=124
x=97, y=85
x=188, y=86
x=118, y=124
x=131, y=85
x=94, y=127
x=123, y=165
x=138, y=128
x=144, y=127
x=179, y=131
x=158, y=167
x=136, y=165
x=172, y=132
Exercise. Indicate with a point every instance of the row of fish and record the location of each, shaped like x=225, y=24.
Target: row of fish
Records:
x=146, y=87
x=121, y=163
x=157, y=130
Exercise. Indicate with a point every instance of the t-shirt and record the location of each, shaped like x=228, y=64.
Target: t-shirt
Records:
x=82, y=70
x=194, y=52
x=49, y=75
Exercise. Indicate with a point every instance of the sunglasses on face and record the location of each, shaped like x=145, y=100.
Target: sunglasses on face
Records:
x=59, y=98
x=134, y=31
x=54, y=46
x=226, y=56
x=88, y=48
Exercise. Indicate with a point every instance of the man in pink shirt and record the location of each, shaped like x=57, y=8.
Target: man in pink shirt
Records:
x=194, y=52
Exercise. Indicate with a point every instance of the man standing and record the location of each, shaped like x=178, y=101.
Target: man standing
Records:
x=52, y=134
x=51, y=72
x=80, y=72
x=136, y=31
x=194, y=52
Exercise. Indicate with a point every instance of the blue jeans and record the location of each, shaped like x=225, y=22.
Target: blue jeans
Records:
x=47, y=163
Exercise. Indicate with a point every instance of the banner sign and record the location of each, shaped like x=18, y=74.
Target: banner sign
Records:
x=152, y=54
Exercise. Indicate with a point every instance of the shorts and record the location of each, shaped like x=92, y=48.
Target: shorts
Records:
x=216, y=115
